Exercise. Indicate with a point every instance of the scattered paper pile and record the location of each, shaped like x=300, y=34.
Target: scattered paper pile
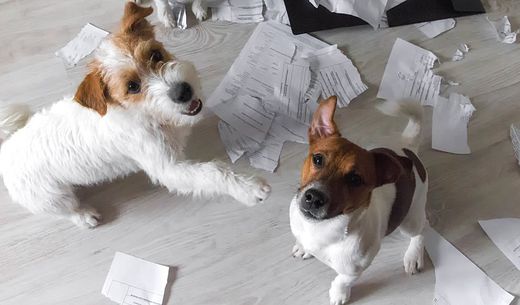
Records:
x=270, y=93
x=87, y=40
x=135, y=281
x=408, y=74
x=457, y=279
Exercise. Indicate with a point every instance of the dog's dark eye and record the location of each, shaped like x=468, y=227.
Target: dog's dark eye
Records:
x=318, y=160
x=354, y=179
x=133, y=87
x=156, y=56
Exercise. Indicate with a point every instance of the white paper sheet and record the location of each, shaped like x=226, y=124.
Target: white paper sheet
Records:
x=460, y=53
x=239, y=11
x=275, y=10
x=408, y=73
x=282, y=130
x=87, y=40
x=247, y=115
x=505, y=234
x=450, y=124
x=134, y=281
x=503, y=30
x=370, y=11
x=514, y=133
x=457, y=280
x=336, y=74
x=435, y=28
x=270, y=45
x=235, y=143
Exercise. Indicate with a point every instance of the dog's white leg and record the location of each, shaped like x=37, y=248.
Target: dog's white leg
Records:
x=209, y=179
x=299, y=252
x=414, y=255
x=199, y=9
x=64, y=204
x=339, y=292
x=164, y=13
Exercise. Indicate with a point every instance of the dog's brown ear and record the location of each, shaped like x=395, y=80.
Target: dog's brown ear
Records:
x=93, y=93
x=134, y=19
x=388, y=169
x=323, y=124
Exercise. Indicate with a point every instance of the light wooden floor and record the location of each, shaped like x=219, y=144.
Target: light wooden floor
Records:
x=224, y=253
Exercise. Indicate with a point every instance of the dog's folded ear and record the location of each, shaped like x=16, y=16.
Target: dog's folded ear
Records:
x=323, y=124
x=134, y=19
x=388, y=169
x=93, y=93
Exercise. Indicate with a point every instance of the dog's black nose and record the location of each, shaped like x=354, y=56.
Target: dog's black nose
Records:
x=313, y=200
x=181, y=92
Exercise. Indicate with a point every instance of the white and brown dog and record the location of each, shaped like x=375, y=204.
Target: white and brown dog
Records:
x=350, y=198
x=132, y=112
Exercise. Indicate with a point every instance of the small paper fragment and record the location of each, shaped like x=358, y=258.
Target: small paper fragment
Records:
x=503, y=30
x=85, y=42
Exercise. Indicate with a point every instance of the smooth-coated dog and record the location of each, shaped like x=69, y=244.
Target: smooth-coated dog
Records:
x=350, y=198
x=133, y=111
x=165, y=11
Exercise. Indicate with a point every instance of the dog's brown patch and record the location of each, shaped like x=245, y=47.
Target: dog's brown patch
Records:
x=417, y=163
x=93, y=92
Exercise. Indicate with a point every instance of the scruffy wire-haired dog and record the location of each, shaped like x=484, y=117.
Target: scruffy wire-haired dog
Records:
x=133, y=111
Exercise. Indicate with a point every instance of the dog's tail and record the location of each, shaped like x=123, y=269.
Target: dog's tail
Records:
x=411, y=109
x=13, y=117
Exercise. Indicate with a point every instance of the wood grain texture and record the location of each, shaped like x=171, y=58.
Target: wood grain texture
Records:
x=224, y=253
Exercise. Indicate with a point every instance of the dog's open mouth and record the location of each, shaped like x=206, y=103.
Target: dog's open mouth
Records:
x=194, y=108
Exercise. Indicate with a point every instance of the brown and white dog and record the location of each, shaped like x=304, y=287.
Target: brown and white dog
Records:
x=350, y=198
x=133, y=111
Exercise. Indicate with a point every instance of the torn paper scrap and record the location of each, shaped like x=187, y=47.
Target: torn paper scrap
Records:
x=457, y=56
x=460, y=53
x=370, y=11
x=247, y=115
x=283, y=129
x=457, y=280
x=135, y=281
x=235, y=143
x=408, y=73
x=275, y=10
x=87, y=40
x=503, y=30
x=505, y=234
x=514, y=132
x=336, y=74
x=450, y=124
x=435, y=28
x=239, y=11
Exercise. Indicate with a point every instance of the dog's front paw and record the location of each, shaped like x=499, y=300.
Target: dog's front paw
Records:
x=338, y=294
x=413, y=260
x=167, y=19
x=86, y=218
x=199, y=10
x=253, y=191
x=299, y=252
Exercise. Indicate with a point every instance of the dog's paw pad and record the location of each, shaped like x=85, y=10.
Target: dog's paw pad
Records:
x=413, y=261
x=299, y=252
x=339, y=295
